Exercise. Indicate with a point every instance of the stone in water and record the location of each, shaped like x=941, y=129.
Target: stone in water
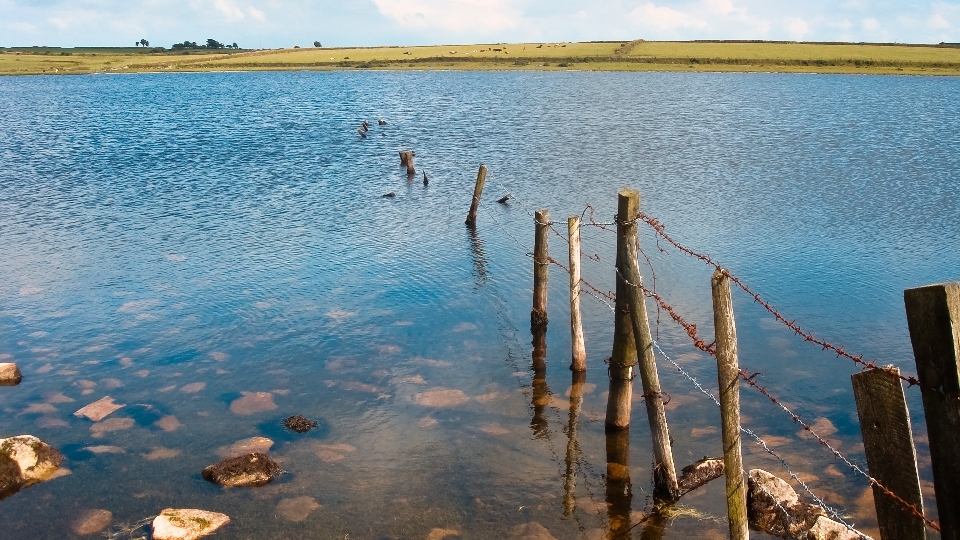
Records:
x=98, y=410
x=251, y=470
x=299, y=424
x=186, y=524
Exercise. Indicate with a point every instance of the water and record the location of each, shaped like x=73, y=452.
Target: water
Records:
x=160, y=231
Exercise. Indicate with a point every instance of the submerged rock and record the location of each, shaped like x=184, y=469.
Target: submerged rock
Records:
x=10, y=374
x=298, y=508
x=246, y=446
x=91, y=522
x=186, y=524
x=299, y=424
x=25, y=460
x=828, y=529
x=251, y=470
x=98, y=410
x=764, y=492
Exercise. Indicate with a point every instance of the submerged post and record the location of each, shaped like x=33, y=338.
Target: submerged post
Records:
x=410, y=170
x=728, y=375
x=579, y=360
x=933, y=316
x=570, y=478
x=891, y=455
x=538, y=316
x=477, y=191
x=665, y=472
x=624, y=354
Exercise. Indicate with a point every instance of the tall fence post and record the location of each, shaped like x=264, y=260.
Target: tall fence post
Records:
x=891, y=456
x=933, y=316
x=728, y=375
x=541, y=262
x=579, y=357
x=664, y=472
x=477, y=191
x=624, y=354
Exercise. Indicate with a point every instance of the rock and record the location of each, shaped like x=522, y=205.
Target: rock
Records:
x=25, y=460
x=299, y=424
x=389, y=195
x=532, y=531
x=186, y=524
x=98, y=410
x=697, y=474
x=110, y=424
x=10, y=374
x=828, y=529
x=441, y=397
x=764, y=514
x=252, y=402
x=298, y=508
x=251, y=470
x=245, y=446
x=92, y=521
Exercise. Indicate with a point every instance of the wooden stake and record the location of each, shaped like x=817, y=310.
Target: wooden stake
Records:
x=933, y=316
x=579, y=361
x=541, y=262
x=619, y=487
x=891, y=456
x=477, y=191
x=624, y=354
x=728, y=375
x=541, y=392
x=665, y=473
x=570, y=477
x=410, y=170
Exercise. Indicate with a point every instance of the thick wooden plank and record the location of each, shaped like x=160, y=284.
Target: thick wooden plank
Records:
x=933, y=316
x=728, y=376
x=477, y=192
x=541, y=264
x=579, y=352
x=891, y=456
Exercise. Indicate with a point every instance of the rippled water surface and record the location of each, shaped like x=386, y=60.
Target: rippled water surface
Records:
x=213, y=252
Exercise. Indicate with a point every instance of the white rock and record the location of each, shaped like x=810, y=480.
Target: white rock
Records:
x=26, y=460
x=10, y=375
x=186, y=524
x=827, y=529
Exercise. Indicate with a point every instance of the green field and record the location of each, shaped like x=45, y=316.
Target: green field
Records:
x=598, y=56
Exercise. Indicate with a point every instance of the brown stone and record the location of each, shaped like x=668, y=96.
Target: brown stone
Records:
x=246, y=446
x=98, y=410
x=25, y=460
x=297, y=509
x=186, y=524
x=299, y=424
x=763, y=492
x=827, y=529
x=251, y=470
x=10, y=374
x=253, y=402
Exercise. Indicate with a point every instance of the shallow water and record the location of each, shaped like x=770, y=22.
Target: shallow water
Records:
x=189, y=243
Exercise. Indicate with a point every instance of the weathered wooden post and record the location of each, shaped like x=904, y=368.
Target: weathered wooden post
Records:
x=541, y=262
x=404, y=156
x=624, y=354
x=410, y=170
x=541, y=392
x=665, y=473
x=728, y=375
x=933, y=316
x=891, y=456
x=579, y=360
x=570, y=476
x=477, y=191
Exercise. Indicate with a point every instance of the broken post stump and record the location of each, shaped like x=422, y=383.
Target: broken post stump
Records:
x=891, y=455
x=477, y=191
x=933, y=316
x=728, y=375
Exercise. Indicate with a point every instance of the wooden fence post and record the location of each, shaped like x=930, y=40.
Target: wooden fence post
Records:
x=477, y=191
x=728, y=375
x=624, y=354
x=541, y=392
x=579, y=360
x=541, y=262
x=891, y=456
x=570, y=476
x=933, y=316
x=665, y=473
x=618, y=486
x=410, y=170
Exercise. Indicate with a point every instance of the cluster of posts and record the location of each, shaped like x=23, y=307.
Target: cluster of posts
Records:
x=933, y=315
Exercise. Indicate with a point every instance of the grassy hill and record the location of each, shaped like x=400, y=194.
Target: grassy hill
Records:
x=599, y=56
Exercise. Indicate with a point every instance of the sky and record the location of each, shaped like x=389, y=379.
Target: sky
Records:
x=341, y=23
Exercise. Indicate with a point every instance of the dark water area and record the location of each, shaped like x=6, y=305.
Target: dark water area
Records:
x=212, y=251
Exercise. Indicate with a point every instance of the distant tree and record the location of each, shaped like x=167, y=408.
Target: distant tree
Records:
x=185, y=45
x=137, y=43
x=144, y=42
x=235, y=46
x=214, y=44
x=317, y=44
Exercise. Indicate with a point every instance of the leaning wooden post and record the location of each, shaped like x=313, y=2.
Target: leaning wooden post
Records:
x=891, y=456
x=579, y=361
x=477, y=191
x=728, y=375
x=933, y=316
x=624, y=353
x=541, y=261
x=664, y=472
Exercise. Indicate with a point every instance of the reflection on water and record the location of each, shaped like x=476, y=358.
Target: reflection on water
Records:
x=212, y=253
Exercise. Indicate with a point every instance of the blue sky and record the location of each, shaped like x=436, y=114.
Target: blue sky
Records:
x=285, y=23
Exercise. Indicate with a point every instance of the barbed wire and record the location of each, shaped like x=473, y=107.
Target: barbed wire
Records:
x=660, y=230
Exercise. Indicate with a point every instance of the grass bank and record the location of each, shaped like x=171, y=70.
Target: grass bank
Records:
x=595, y=56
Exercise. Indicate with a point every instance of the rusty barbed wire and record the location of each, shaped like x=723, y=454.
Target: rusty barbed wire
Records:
x=857, y=359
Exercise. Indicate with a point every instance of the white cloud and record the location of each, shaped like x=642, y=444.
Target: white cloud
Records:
x=256, y=14
x=796, y=27
x=870, y=24
x=228, y=8
x=663, y=18
x=452, y=15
